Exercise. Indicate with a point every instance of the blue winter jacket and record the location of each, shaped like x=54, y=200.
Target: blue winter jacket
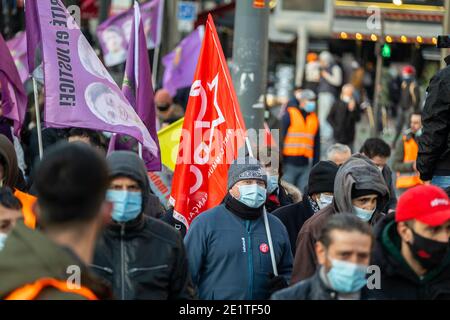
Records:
x=229, y=258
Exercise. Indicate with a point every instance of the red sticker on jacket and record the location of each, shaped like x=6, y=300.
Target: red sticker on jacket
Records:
x=264, y=248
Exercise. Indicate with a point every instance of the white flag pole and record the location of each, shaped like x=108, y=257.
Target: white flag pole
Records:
x=269, y=238
x=38, y=118
x=137, y=20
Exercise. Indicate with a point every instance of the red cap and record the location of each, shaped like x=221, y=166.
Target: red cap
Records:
x=426, y=203
x=408, y=70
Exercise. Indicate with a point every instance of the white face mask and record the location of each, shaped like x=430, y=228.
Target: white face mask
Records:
x=324, y=200
x=346, y=99
x=3, y=237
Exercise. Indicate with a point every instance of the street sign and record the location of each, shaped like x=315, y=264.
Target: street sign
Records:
x=187, y=14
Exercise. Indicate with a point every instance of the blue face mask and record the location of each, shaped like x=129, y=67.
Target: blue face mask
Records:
x=310, y=106
x=272, y=183
x=127, y=205
x=346, y=277
x=3, y=237
x=363, y=214
x=252, y=195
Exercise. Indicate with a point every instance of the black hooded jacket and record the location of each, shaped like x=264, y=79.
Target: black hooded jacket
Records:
x=143, y=258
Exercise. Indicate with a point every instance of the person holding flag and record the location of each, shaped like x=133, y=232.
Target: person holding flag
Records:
x=235, y=234
x=227, y=247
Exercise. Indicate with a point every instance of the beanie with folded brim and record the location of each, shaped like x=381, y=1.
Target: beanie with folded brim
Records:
x=245, y=169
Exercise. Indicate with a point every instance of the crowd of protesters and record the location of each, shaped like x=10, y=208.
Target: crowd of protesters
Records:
x=315, y=220
x=86, y=208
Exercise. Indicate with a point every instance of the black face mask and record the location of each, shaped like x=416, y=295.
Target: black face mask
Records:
x=163, y=107
x=429, y=253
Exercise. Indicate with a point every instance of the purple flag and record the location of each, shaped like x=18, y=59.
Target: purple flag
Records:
x=33, y=34
x=114, y=33
x=18, y=48
x=14, y=98
x=137, y=87
x=79, y=92
x=180, y=64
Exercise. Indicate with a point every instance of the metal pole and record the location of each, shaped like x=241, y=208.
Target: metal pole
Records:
x=103, y=11
x=250, y=55
x=155, y=66
x=158, y=41
x=377, y=90
x=38, y=118
x=446, y=29
x=302, y=48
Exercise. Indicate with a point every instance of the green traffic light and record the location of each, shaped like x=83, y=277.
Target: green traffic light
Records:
x=386, y=51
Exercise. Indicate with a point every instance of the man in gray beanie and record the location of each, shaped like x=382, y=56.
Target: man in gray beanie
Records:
x=227, y=246
x=140, y=256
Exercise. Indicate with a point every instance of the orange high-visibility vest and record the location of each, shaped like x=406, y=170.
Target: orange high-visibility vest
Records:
x=299, y=140
x=32, y=290
x=27, y=208
x=409, y=179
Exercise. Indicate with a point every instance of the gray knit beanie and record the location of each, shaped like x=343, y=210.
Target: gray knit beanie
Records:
x=245, y=169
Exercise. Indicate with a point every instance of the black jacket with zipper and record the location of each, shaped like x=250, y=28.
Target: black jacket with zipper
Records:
x=434, y=143
x=144, y=259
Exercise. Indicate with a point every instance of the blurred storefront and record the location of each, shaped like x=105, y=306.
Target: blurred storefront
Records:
x=352, y=28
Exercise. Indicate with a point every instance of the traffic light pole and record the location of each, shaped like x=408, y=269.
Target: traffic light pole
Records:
x=446, y=29
x=250, y=55
x=377, y=90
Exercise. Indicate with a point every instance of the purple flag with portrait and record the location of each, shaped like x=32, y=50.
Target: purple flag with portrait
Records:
x=18, y=48
x=180, y=64
x=14, y=98
x=137, y=88
x=114, y=33
x=79, y=92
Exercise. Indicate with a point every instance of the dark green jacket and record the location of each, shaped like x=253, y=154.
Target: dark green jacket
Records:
x=29, y=255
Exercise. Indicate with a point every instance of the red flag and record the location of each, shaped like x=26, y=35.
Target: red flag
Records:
x=213, y=131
